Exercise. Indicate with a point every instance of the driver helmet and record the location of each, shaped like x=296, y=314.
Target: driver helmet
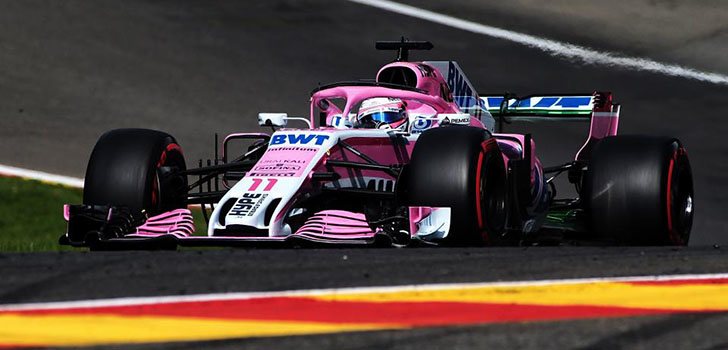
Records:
x=382, y=113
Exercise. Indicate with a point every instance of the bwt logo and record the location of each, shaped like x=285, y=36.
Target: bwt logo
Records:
x=457, y=84
x=298, y=139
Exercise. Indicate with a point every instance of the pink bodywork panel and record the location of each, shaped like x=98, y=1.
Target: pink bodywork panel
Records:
x=337, y=224
x=513, y=149
x=327, y=224
x=511, y=145
x=67, y=212
x=428, y=78
x=604, y=122
x=289, y=161
x=176, y=222
x=416, y=214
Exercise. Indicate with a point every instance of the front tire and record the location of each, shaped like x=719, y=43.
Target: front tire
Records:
x=136, y=168
x=462, y=168
x=639, y=191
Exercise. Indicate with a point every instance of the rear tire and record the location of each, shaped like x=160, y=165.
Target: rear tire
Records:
x=638, y=190
x=462, y=168
x=136, y=168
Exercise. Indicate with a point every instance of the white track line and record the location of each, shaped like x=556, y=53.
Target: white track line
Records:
x=129, y=301
x=9, y=171
x=553, y=47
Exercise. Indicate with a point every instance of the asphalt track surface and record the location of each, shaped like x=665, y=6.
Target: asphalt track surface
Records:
x=71, y=276
x=71, y=70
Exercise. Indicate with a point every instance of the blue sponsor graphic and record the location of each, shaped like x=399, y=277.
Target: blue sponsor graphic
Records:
x=494, y=102
x=458, y=85
x=547, y=102
x=470, y=102
x=298, y=139
x=340, y=122
x=420, y=125
x=573, y=102
x=544, y=102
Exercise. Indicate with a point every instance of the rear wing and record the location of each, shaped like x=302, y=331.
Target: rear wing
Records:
x=596, y=108
x=578, y=107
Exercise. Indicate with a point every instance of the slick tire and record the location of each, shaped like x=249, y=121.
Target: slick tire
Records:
x=136, y=168
x=639, y=191
x=460, y=167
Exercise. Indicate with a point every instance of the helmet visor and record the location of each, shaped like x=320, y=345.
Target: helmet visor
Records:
x=384, y=116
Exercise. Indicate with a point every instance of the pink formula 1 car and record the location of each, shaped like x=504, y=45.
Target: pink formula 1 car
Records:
x=412, y=157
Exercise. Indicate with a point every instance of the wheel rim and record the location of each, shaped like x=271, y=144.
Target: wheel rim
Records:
x=494, y=197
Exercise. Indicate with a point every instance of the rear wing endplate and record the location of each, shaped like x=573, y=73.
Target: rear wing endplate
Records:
x=596, y=108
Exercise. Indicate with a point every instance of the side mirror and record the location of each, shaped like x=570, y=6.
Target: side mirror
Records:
x=278, y=120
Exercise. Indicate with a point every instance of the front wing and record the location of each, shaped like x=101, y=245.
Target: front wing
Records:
x=118, y=228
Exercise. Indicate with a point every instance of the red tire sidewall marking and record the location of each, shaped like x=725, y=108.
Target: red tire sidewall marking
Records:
x=486, y=147
x=478, y=204
x=163, y=157
x=160, y=163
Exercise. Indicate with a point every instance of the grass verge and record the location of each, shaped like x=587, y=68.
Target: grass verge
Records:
x=31, y=215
